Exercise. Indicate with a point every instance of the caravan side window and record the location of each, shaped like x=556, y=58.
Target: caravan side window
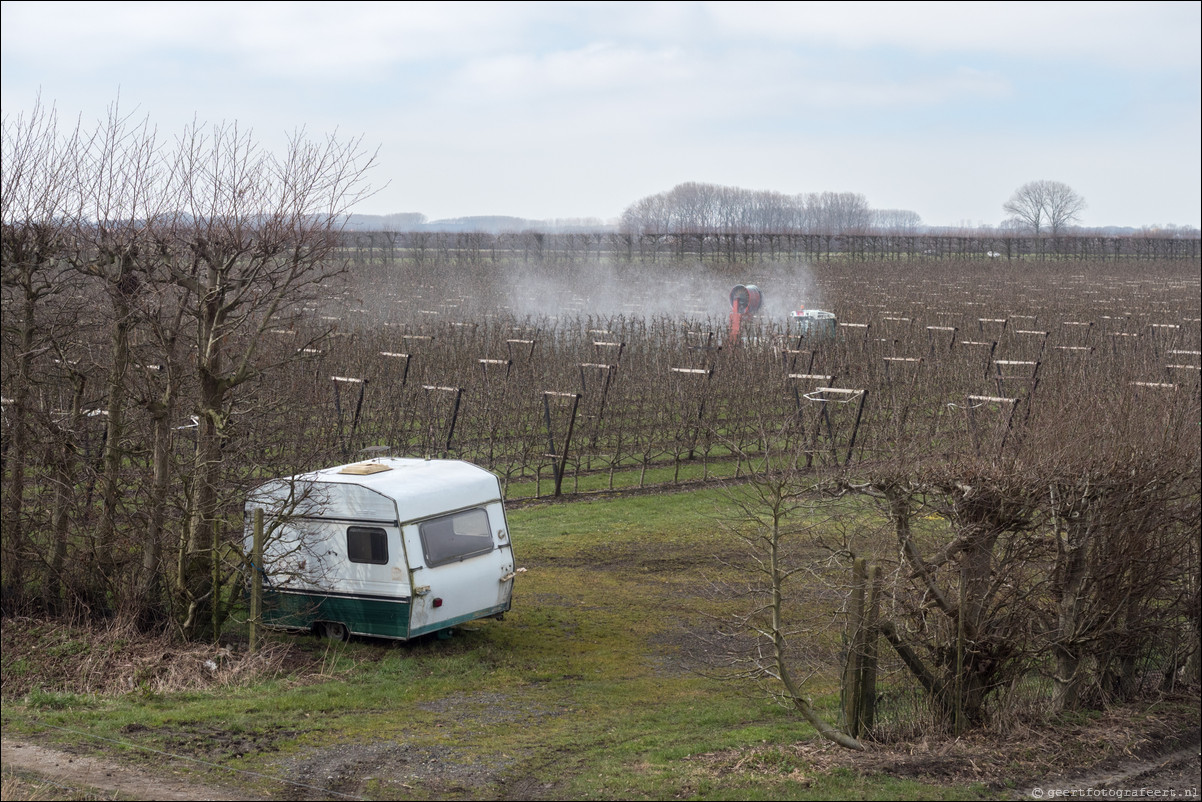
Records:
x=455, y=537
x=367, y=544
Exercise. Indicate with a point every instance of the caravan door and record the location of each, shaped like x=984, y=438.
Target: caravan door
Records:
x=461, y=565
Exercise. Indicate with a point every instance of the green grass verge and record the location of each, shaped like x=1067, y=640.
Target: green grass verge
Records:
x=580, y=692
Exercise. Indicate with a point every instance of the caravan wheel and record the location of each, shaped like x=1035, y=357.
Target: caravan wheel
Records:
x=332, y=630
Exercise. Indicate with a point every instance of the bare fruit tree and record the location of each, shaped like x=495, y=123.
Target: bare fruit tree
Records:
x=1045, y=206
x=181, y=254
x=258, y=237
x=36, y=178
x=782, y=511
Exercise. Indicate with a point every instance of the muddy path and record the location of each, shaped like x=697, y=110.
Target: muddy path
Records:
x=1172, y=775
x=74, y=773
x=1178, y=772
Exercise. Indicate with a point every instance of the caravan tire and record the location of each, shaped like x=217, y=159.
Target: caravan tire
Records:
x=332, y=630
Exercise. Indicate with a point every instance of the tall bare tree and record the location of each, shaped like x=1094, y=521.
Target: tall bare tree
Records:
x=257, y=236
x=119, y=193
x=1045, y=206
x=37, y=175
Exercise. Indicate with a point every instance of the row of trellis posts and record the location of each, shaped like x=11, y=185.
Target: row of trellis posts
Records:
x=561, y=410
x=990, y=417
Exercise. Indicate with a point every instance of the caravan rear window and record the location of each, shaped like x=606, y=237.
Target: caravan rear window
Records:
x=455, y=537
x=367, y=544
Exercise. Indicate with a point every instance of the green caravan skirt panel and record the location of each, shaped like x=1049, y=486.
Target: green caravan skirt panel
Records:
x=380, y=616
x=463, y=619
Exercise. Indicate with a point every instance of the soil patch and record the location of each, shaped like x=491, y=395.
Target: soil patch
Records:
x=38, y=766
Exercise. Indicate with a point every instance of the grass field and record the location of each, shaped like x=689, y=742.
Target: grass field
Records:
x=585, y=690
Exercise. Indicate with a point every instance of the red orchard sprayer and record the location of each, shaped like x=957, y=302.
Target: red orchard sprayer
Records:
x=745, y=300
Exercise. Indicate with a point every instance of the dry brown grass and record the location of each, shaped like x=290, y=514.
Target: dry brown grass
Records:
x=1055, y=752
x=105, y=660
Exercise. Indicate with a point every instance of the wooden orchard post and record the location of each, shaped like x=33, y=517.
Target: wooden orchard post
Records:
x=859, y=676
x=867, y=711
x=559, y=459
x=256, y=580
x=855, y=649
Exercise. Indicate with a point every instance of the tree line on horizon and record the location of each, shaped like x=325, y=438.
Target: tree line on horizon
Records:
x=1037, y=208
x=696, y=207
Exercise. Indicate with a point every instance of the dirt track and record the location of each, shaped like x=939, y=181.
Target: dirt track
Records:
x=1180, y=772
x=1170, y=776
x=74, y=773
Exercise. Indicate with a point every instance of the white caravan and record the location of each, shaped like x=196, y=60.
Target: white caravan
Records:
x=392, y=548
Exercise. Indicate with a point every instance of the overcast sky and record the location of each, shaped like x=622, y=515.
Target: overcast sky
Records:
x=567, y=110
